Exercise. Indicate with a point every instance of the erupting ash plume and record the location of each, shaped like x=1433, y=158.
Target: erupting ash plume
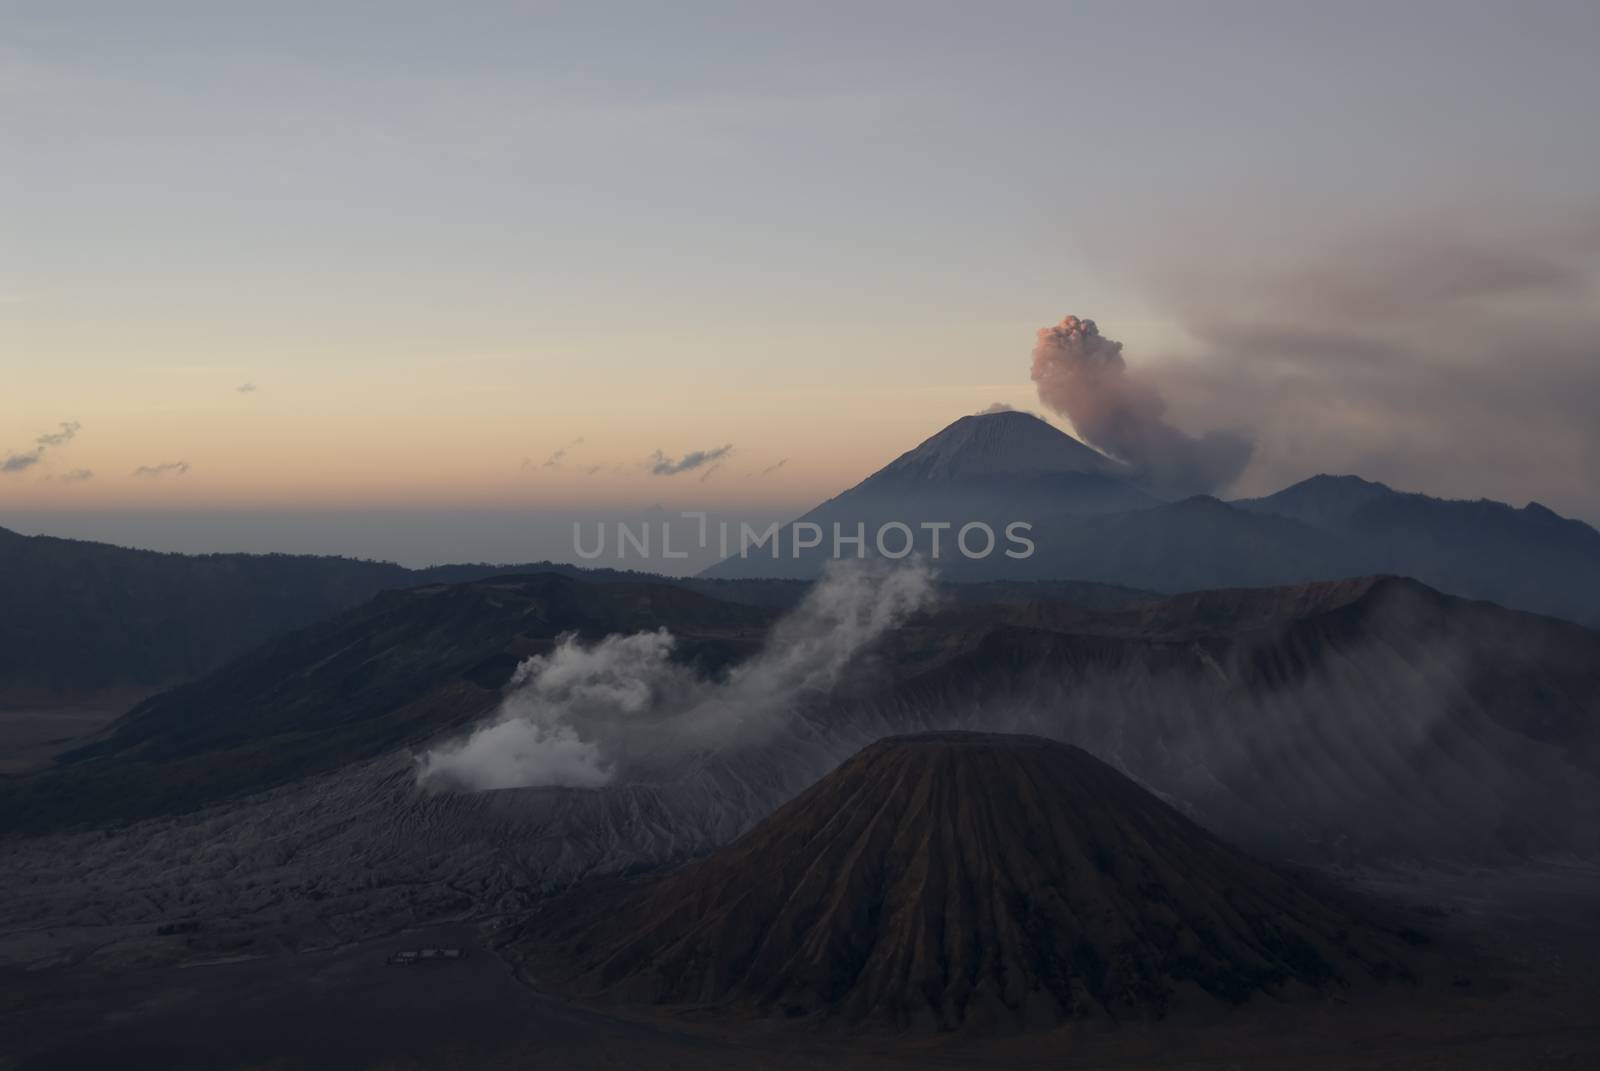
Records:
x=1081, y=374
x=584, y=716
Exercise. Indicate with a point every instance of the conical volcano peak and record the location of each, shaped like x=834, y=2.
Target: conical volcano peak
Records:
x=996, y=468
x=967, y=880
x=997, y=444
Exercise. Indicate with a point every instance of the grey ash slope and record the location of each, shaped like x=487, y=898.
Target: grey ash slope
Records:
x=1364, y=721
x=963, y=880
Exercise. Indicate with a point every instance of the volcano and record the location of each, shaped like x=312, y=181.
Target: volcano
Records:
x=1090, y=519
x=958, y=880
x=991, y=445
x=993, y=468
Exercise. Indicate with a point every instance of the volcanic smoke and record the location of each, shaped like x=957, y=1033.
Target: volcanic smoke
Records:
x=1081, y=375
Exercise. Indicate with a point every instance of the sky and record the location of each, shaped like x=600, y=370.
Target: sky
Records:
x=300, y=276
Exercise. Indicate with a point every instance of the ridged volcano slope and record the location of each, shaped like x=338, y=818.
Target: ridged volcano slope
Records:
x=963, y=880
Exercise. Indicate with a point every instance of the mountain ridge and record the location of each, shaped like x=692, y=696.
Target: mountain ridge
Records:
x=1098, y=526
x=1201, y=696
x=79, y=618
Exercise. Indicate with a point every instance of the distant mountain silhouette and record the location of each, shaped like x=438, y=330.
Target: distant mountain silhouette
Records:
x=1529, y=559
x=1322, y=501
x=78, y=616
x=995, y=468
x=964, y=880
x=1090, y=523
x=1196, y=544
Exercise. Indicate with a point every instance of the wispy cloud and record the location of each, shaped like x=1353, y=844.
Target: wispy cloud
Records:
x=60, y=438
x=46, y=442
x=769, y=470
x=74, y=476
x=170, y=468
x=246, y=388
x=556, y=458
x=662, y=465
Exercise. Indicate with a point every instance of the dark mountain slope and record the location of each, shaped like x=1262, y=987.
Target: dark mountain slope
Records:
x=1355, y=719
x=1199, y=543
x=1089, y=522
x=392, y=673
x=1345, y=720
x=78, y=617
x=783, y=594
x=1528, y=558
x=1342, y=724
x=956, y=880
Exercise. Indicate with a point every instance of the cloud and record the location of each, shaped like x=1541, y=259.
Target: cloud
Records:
x=170, y=468
x=74, y=476
x=556, y=458
x=50, y=440
x=21, y=462
x=246, y=388
x=1457, y=358
x=69, y=430
x=770, y=469
x=662, y=465
x=1082, y=375
x=997, y=407
x=589, y=715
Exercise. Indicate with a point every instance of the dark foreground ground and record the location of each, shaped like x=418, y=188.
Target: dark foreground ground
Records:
x=1538, y=1007
x=31, y=734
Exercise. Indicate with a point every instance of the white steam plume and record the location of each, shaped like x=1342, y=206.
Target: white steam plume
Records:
x=583, y=716
x=1081, y=374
